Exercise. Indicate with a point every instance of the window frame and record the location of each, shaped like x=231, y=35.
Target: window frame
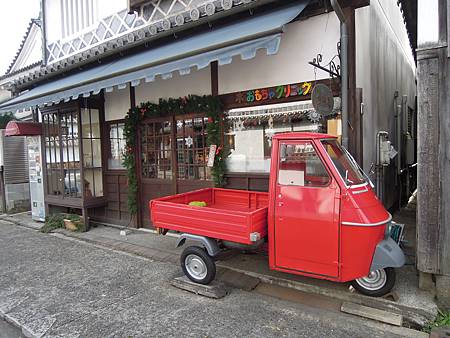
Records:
x=75, y=108
x=174, y=164
x=107, y=145
x=319, y=155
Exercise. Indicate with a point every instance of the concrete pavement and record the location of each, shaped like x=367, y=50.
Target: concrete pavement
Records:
x=54, y=287
x=8, y=330
x=415, y=305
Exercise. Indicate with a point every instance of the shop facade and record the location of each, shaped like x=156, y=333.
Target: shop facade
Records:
x=256, y=62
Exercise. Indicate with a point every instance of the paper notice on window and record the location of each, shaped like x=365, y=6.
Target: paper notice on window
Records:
x=212, y=155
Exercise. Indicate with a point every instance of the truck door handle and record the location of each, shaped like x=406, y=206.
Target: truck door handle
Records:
x=280, y=204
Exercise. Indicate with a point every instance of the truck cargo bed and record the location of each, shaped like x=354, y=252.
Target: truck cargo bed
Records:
x=231, y=215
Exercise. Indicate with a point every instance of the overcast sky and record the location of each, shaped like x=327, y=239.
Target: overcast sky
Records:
x=14, y=19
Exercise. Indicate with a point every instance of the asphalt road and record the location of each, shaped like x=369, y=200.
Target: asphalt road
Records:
x=63, y=288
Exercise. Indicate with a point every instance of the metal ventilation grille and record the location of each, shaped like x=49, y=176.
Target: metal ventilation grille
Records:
x=15, y=161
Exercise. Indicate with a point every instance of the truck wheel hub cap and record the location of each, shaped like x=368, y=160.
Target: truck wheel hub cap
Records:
x=196, y=267
x=374, y=281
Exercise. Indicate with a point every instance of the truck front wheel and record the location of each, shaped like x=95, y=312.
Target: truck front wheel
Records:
x=197, y=265
x=377, y=283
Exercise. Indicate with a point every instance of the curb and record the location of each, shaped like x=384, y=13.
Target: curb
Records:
x=25, y=331
x=11, y=219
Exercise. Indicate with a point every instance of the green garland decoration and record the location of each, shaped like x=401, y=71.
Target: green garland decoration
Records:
x=210, y=105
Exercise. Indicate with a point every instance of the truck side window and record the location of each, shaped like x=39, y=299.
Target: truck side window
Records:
x=299, y=165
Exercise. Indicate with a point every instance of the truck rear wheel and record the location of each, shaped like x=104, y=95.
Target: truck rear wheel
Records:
x=197, y=265
x=377, y=283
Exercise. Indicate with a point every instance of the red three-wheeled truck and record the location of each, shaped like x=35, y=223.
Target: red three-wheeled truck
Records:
x=320, y=218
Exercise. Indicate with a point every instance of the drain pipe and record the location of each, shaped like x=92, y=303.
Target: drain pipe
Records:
x=344, y=69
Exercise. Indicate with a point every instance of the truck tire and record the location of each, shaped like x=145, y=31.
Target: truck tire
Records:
x=197, y=265
x=377, y=283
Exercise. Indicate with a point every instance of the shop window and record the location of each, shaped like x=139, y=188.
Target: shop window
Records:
x=73, y=152
x=92, y=153
x=117, y=146
x=250, y=138
x=62, y=155
x=301, y=166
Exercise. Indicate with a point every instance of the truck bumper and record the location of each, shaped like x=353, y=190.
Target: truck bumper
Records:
x=387, y=255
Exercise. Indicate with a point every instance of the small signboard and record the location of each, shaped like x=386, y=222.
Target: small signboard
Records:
x=322, y=99
x=212, y=155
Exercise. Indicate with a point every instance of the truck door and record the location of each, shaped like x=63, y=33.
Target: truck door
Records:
x=306, y=212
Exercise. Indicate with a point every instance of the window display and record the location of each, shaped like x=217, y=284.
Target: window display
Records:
x=73, y=154
x=117, y=146
x=252, y=129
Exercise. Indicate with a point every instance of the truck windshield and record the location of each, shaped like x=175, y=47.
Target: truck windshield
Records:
x=348, y=170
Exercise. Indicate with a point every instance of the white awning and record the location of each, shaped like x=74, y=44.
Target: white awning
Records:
x=242, y=39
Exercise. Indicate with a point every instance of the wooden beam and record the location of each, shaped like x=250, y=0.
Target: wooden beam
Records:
x=214, y=78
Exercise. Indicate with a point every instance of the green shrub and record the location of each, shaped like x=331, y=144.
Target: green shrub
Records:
x=56, y=221
x=53, y=222
x=442, y=319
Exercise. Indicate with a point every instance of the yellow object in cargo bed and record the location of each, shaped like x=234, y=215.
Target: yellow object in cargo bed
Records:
x=198, y=203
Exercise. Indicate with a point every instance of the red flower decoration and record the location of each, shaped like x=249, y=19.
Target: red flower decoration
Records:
x=210, y=119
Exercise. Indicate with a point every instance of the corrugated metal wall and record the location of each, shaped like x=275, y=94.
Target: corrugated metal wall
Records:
x=15, y=160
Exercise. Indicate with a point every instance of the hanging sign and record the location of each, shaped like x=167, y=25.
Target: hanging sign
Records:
x=322, y=99
x=212, y=155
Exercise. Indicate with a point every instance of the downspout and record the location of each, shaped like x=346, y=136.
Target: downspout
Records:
x=344, y=70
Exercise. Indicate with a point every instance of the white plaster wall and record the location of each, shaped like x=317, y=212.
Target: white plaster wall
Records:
x=31, y=51
x=384, y=65
x=102, y=9
x=117, y=104
x=300, y=43
x=196, y=83
x=107, y=7
x=4, y=95
x=52, y=20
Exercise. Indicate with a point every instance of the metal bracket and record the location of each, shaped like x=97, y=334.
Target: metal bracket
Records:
x=331, y=68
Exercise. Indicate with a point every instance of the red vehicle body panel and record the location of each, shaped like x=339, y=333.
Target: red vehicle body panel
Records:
x=230, y=215
x=327, y=231
x=355, y=244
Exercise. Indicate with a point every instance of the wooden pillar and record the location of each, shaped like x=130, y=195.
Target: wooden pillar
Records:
x=433, y=173
x=138, y=222
x=354, y=117
x=433, y=170
x=214, y=78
